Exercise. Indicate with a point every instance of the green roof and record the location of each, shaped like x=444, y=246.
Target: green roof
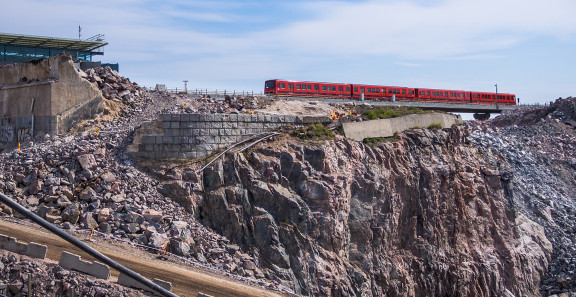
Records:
x=51, y=42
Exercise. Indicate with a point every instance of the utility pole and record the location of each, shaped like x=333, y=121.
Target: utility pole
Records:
x=185, y=86
x=79, y=32
x=496, y=101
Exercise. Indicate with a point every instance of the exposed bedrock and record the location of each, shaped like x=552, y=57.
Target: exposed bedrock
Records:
x=427, y=215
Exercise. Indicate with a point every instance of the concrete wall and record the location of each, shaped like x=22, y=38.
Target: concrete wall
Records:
x=44, y=96
x=96, y=269
x=176, y=136
x=32, y=250
x=388, y=127
x=129, y=282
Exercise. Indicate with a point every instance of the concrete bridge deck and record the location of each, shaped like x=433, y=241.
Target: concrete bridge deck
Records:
x=448, y=107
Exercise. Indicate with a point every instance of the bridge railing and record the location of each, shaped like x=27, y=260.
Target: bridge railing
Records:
x=215, y=92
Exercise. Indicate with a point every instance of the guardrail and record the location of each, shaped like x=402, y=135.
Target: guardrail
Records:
x=215, y=92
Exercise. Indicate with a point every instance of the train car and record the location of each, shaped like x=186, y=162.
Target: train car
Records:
x=436, y=95
x=492, y=98
x=382, y=92
x=305, y=88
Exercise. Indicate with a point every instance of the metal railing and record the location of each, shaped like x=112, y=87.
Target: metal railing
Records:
x=215, y=92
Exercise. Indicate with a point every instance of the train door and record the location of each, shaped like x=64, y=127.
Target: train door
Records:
x=416, y=94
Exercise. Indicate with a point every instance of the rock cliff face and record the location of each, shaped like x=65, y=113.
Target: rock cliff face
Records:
x=428, y=215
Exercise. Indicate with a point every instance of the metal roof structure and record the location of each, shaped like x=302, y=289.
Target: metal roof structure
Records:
x=51, y=42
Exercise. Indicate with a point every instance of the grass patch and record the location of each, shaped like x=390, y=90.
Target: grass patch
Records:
x=377, y=140
x=387, y=112
x=313, y=131
x=435, y=126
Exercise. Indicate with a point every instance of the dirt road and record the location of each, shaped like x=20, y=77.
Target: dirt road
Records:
x=186, y=280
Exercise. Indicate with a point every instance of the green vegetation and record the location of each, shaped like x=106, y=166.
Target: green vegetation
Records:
x=315, y=131
x=387, y=112
x=377, y=140
x=435, y=126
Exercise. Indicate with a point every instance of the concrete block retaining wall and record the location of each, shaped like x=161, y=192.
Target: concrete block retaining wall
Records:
x=96, y=269
x=32, y=250
x=129, y=282
x=179, y=136
x=388, y=127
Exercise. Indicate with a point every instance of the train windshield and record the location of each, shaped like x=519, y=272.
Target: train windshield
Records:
x=270, y=84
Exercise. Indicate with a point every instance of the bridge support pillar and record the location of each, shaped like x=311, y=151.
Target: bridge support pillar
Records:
x=482, y=116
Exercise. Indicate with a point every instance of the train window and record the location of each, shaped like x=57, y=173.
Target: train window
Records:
x=291, y=86
x=355, y=89
x=298, y=87
x=445, y=94
x=404, y=92
x=377, y=90
x=340, y=88
x=323, y=88
x=362, y=90
x=428, y=93
x=333, y=88
x=317, y=87
x=347, y=89
x=283, y=86
x=383, y=91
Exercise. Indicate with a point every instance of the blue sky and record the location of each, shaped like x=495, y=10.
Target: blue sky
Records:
x=527, y=47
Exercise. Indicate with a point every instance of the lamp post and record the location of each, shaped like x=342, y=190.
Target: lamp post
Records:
x=496, y=100
x=185, y=86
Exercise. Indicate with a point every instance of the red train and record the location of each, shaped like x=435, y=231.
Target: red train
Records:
x=354, y=91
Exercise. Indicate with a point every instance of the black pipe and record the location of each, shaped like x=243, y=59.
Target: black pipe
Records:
x=94, y=253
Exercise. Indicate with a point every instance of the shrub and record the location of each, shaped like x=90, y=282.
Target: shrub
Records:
x=313, y=131
x=435, y=126
x=387, y=112
x=376, y=140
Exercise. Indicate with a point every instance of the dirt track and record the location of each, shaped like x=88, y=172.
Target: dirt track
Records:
x=186, y=280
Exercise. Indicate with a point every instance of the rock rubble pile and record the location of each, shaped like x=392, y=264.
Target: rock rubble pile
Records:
x=49, y=279
x=539, y=149
x=84, y=180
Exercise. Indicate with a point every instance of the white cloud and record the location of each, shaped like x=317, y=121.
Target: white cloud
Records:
x=408, y=30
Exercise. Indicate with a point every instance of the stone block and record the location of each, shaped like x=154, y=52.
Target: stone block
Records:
x=167, y=140
x=193, y=117
x=35, y=250
x=11, y=244
x=188, y=125
x=148, y=139
x=174, y=125
x=170, y=133
x=184, y=117
x=96, y=269
x=165, y=125
x=175, y=117
x=165, y=117
x=129, y=282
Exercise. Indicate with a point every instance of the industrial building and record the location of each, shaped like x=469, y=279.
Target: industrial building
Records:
x=17, y=48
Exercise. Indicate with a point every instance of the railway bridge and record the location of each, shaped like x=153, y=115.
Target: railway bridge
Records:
x=480, y=111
